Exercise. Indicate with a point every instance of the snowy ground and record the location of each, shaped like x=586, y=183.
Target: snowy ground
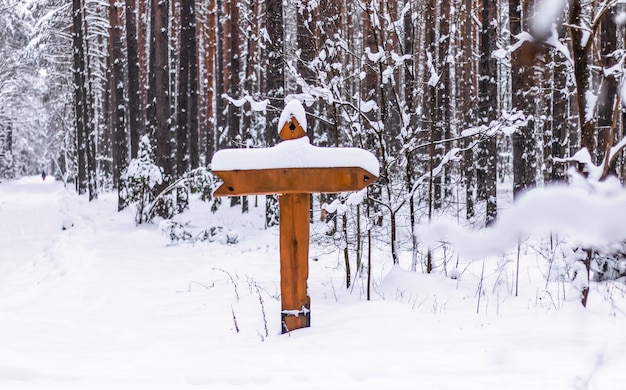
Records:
x=105, y=304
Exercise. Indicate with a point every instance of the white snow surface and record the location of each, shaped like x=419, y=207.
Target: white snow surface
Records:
x=594, y=220
x=296, y=153
x=110, y=305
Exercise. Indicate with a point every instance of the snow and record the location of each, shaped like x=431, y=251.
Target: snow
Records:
x=255, y=105
x=367, y=106
x=375, y=57
x=551, y=39
x=546, y=13
x=108, y=305
x=499, y=54
x=293, y=109
x=622, y=94
x=296, y=153
x=592, y=99
x=595, y=220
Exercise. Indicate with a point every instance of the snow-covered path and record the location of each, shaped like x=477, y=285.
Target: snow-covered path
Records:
x=109, y=305
x=29, y=216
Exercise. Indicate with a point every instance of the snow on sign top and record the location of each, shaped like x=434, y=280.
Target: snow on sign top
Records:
x=297, y=153
x=293, y=109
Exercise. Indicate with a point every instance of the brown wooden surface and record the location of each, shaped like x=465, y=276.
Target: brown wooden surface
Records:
x=292, y=181
x=294, y=258
x=291, y=130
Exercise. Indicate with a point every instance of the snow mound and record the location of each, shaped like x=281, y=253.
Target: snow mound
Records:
x=297, y=153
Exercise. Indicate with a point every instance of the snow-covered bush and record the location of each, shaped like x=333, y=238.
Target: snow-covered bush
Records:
x=607, y=261
x=219, y=234
x=176, y=232
x=609, y=265
x=140, y=179
x=174, y=199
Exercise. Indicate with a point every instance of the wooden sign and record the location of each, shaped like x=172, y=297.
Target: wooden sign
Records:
x=293, y=169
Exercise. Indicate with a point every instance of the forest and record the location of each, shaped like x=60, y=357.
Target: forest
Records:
x=465, y=103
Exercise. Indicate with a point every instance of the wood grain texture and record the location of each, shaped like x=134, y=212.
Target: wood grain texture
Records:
x=294, y=259
x=291, y=130
x=293, y=181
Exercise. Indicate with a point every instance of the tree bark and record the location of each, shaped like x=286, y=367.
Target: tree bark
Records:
x=275, y=87
x=118, y=106
x=468, y=91
x=524, y=88
x=135, y=121
x=580, y=51
x=79, y=94
x=608, y=90
x=488, y=95
x=159, y=97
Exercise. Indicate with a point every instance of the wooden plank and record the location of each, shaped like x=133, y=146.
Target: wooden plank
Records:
x=294, y=260
x=293, y=181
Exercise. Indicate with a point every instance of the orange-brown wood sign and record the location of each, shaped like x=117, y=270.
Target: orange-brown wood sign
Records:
x=293, y=169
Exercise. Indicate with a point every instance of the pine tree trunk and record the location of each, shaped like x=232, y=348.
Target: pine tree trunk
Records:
x=275, y=88
x=580, y=56
x=220, y=106
x=159, y=108
x=488, y=95
x=210, y=75
x=160, y=85
x=134, y=94
x=184, y=86
x=608, y=91
x=143, y=49
x=194, y=86
x=79, y=94
x=560, y=112
x=523, y=87
x=232, y=82
x=118, y=107
x=468, y=91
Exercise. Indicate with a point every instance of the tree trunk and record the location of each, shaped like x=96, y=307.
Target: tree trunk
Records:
x=192, y=108
x=608, y=90
x=275, y=87
x=580, y=49
x=560, y=112
x=488, y=103
x=232, y=81
x=210, y=75
x=220, y=122
x=135, y=121
x=79, y=94
x=187, y=35
x=160, y=85
x=159, y=109
x=523, y=87
x=468, y=90
x=118, y=107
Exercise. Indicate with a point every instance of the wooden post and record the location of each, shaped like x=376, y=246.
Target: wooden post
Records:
x=294, y=184
x=294, y=261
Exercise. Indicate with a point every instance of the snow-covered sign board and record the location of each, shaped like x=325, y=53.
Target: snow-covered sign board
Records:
x=293, y=169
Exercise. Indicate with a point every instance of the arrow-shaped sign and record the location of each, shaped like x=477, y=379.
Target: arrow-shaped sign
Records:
x=293, y=181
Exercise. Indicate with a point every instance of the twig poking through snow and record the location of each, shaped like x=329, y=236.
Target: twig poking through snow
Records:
x=262, y=311
x=234, y=318
x=231, y=279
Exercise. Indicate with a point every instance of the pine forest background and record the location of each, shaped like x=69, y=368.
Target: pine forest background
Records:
x=464, y=102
